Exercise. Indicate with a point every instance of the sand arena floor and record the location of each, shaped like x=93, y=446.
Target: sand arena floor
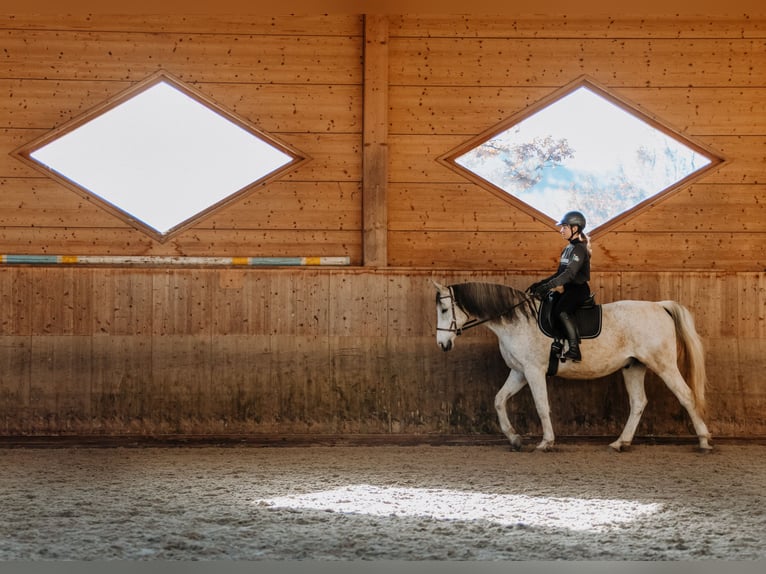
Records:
x=581, y=502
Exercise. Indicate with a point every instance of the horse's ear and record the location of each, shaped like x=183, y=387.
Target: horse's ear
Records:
x=438, y=285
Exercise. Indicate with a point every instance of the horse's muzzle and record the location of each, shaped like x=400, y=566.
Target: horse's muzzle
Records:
x=446, y=346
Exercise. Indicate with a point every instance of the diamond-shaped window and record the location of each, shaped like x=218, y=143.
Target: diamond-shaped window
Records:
x=582, y=148
x=160, y=155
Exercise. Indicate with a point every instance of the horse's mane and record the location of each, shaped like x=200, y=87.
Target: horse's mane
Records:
x=492, y=301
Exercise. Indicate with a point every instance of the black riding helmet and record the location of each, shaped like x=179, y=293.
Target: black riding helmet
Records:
x=573, y=218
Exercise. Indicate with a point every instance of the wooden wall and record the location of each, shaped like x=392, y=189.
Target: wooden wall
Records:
x=109, y=350
x=325, y=352
x=452, y=78
x=299, y=79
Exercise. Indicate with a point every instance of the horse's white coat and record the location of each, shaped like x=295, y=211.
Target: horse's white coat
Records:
x=635, y=335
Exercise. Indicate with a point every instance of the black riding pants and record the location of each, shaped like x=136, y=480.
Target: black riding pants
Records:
x=573, y=296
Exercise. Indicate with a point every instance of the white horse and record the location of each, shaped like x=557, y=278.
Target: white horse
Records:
x=635, y=335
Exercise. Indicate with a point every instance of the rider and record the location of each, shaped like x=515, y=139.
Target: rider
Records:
x=571, y=279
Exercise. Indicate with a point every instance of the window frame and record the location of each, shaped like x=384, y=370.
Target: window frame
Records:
x=24, y=153
x=716, y=159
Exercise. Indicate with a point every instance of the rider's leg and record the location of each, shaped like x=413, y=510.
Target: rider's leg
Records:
x=570, y=300
x=573, y=337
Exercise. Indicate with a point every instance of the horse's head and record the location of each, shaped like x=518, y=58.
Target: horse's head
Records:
x=450, y=317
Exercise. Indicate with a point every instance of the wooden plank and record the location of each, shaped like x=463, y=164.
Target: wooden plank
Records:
x=751, y=306
x=679, y=251
x=359, y=371
x=452, y=110
x=411, y=307
x=122, y=302
x=61, y=302
x=60, y=387
x=641, y=286
x=470, y=109
x=375, y=142
x=240, y=303
x=746, y=159
x=281, y=24
x=707, y=208
x=300, y=205
x=123, y=394
x=242, y=397
x=333, y=157
x=703, y=111
x=65, y=241
x=121, y=56
x=44, y=104
x=16, y=303
x=698, y=292
x=240, y=243
x=613, y=62
x=751, y=353
x=574, y=26
x=454, y=207
x=299, y=365
x=413, y=159
x=284, y=108
x=15, y=373
x=456, y=250
x=181, y=378
x=726, y=374
x=49, y=204
x=606, y=286
x=297, y=306
x=675, y=251
x=357, y=305
x=182, y=302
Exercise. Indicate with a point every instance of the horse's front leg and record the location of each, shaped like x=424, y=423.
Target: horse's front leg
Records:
x=539, y=387
x=513, y=384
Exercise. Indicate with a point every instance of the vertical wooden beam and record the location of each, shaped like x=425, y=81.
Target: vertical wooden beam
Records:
x=375, y=142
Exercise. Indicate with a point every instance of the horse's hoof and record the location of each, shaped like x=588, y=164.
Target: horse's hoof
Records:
x=705, y=449
x=545, y=447
x=516, y=443
x=620, y=446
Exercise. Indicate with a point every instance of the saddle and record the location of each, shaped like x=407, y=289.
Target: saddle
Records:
x=587, y=317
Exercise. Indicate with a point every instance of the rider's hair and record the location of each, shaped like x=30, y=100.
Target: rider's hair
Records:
x=586, y=240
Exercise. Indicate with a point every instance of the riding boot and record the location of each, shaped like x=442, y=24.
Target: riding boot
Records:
x=573, y=337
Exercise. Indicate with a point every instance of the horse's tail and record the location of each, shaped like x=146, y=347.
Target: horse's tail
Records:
x=691, y=354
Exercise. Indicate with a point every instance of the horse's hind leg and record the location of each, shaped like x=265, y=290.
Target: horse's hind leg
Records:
x=634, y=384
x=513, y=384
x=683, y=393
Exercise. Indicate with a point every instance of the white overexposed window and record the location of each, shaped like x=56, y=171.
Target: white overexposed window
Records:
x=161, y=155
x=583, y=150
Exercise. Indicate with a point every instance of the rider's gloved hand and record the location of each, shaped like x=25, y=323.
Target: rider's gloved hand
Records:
x=541, y=290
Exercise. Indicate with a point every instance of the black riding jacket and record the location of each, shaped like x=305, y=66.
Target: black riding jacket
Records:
x=574, y=266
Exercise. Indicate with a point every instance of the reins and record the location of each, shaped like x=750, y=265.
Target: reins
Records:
x=471, y=323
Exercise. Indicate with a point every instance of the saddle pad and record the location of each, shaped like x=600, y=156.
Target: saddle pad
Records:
x=588, y=320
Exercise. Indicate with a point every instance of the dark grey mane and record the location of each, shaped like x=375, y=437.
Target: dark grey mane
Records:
x=492, y=301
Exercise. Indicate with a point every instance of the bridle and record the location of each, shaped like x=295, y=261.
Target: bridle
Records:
x=471, y=322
